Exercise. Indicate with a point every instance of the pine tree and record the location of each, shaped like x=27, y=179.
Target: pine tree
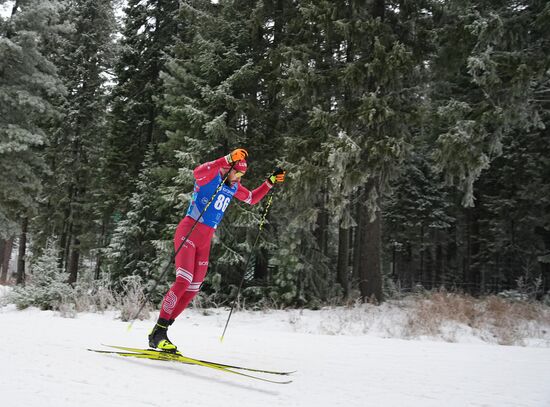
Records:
x=48, y=288
x=216, y=100
x=75, y=146
x=482, y=79
x=147, y=36
x=417, y=223
x=488, y=71
x=28, y=83
x=141, y=241
x=353, y=88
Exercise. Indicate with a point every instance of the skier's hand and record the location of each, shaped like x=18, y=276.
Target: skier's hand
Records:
x=278, y=176
x=236, y=155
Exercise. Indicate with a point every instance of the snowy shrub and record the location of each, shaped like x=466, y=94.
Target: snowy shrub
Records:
x=67, y=309
x=204, y=301
x=529, y=285
x=492, y=319
x=47, y=287
x=102, y=295
x=428, y=315
x=391, y=289
x=513, y=295
x=211, y=298
x=437, y=315
x=4, y=299
x=131, y=299
x=93, y=295
x=354, y=320
x=258, y=298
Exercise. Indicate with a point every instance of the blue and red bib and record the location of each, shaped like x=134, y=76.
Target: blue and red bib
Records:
x=202, y=194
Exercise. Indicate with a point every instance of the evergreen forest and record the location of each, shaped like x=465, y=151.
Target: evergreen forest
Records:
x=415, y=136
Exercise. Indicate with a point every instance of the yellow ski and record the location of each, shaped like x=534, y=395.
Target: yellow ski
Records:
x=178, y=357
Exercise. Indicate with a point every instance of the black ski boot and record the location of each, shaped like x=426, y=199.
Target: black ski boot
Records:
x=158, y=338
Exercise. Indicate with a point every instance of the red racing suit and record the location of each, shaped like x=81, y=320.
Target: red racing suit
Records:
x=192, y=259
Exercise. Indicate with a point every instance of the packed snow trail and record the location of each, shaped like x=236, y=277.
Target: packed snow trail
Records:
x=44, y=362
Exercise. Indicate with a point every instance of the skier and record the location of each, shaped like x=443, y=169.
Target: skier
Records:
x=192, y=260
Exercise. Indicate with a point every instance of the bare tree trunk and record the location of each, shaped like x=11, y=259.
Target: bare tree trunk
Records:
x=321, y=231
x=63, y=246
x=6, y=256
x=379, y=9
x=74, y=258
x=467, y=267
x=73, y=251
x=2, y=245
x=471, y=272
x=421, y=272
x=452, y=256
x=370, y=268
x=409, y=265
x=370, y=282
x=343, y=260
x=97, y=269
x=357, y=242
x=14, y=8
x=261, y=265
x=102, y=244
x=22, y=252
x=476, y=251
x=544, y=267
x=439, y=259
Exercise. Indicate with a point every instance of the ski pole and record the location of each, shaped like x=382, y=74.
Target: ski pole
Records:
x=183, y=242
x=262, y=221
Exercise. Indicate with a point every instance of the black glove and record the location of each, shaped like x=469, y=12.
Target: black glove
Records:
x=278, y=176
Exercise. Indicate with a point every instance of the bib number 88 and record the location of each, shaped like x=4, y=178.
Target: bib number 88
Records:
x=221, y=203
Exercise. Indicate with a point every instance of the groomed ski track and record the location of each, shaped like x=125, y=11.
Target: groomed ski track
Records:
x=44, y=362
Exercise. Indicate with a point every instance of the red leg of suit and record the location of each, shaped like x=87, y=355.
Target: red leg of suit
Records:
x=201, y=267
x=191, y=266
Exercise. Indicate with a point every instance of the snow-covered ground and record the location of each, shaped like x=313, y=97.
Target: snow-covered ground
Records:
x=44, y=362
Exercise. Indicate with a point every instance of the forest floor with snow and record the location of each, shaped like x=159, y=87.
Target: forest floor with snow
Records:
x=343, y=357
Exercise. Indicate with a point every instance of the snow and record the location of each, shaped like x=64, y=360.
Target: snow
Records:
x=44, y=362
x=6, y=8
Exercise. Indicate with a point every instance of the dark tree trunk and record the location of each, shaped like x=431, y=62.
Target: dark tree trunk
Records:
x=64, y=240
x=260, y=267
x=544, y=267
x=430, y=265
x=343, y=260
x=421, y=271
x=439, y=261
x=475, y=252
x=409, y=265
x=97, y=269
x=76, y=230
x=5, y=264
x=14, y=8
x=74, y=258
x=451, y=258
x=321, y=232
x=22, y=252
x=379, y=9
x=2, y=245
x=370, y=275
x=103, y=243
x=357, y=242
x=467, y=264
